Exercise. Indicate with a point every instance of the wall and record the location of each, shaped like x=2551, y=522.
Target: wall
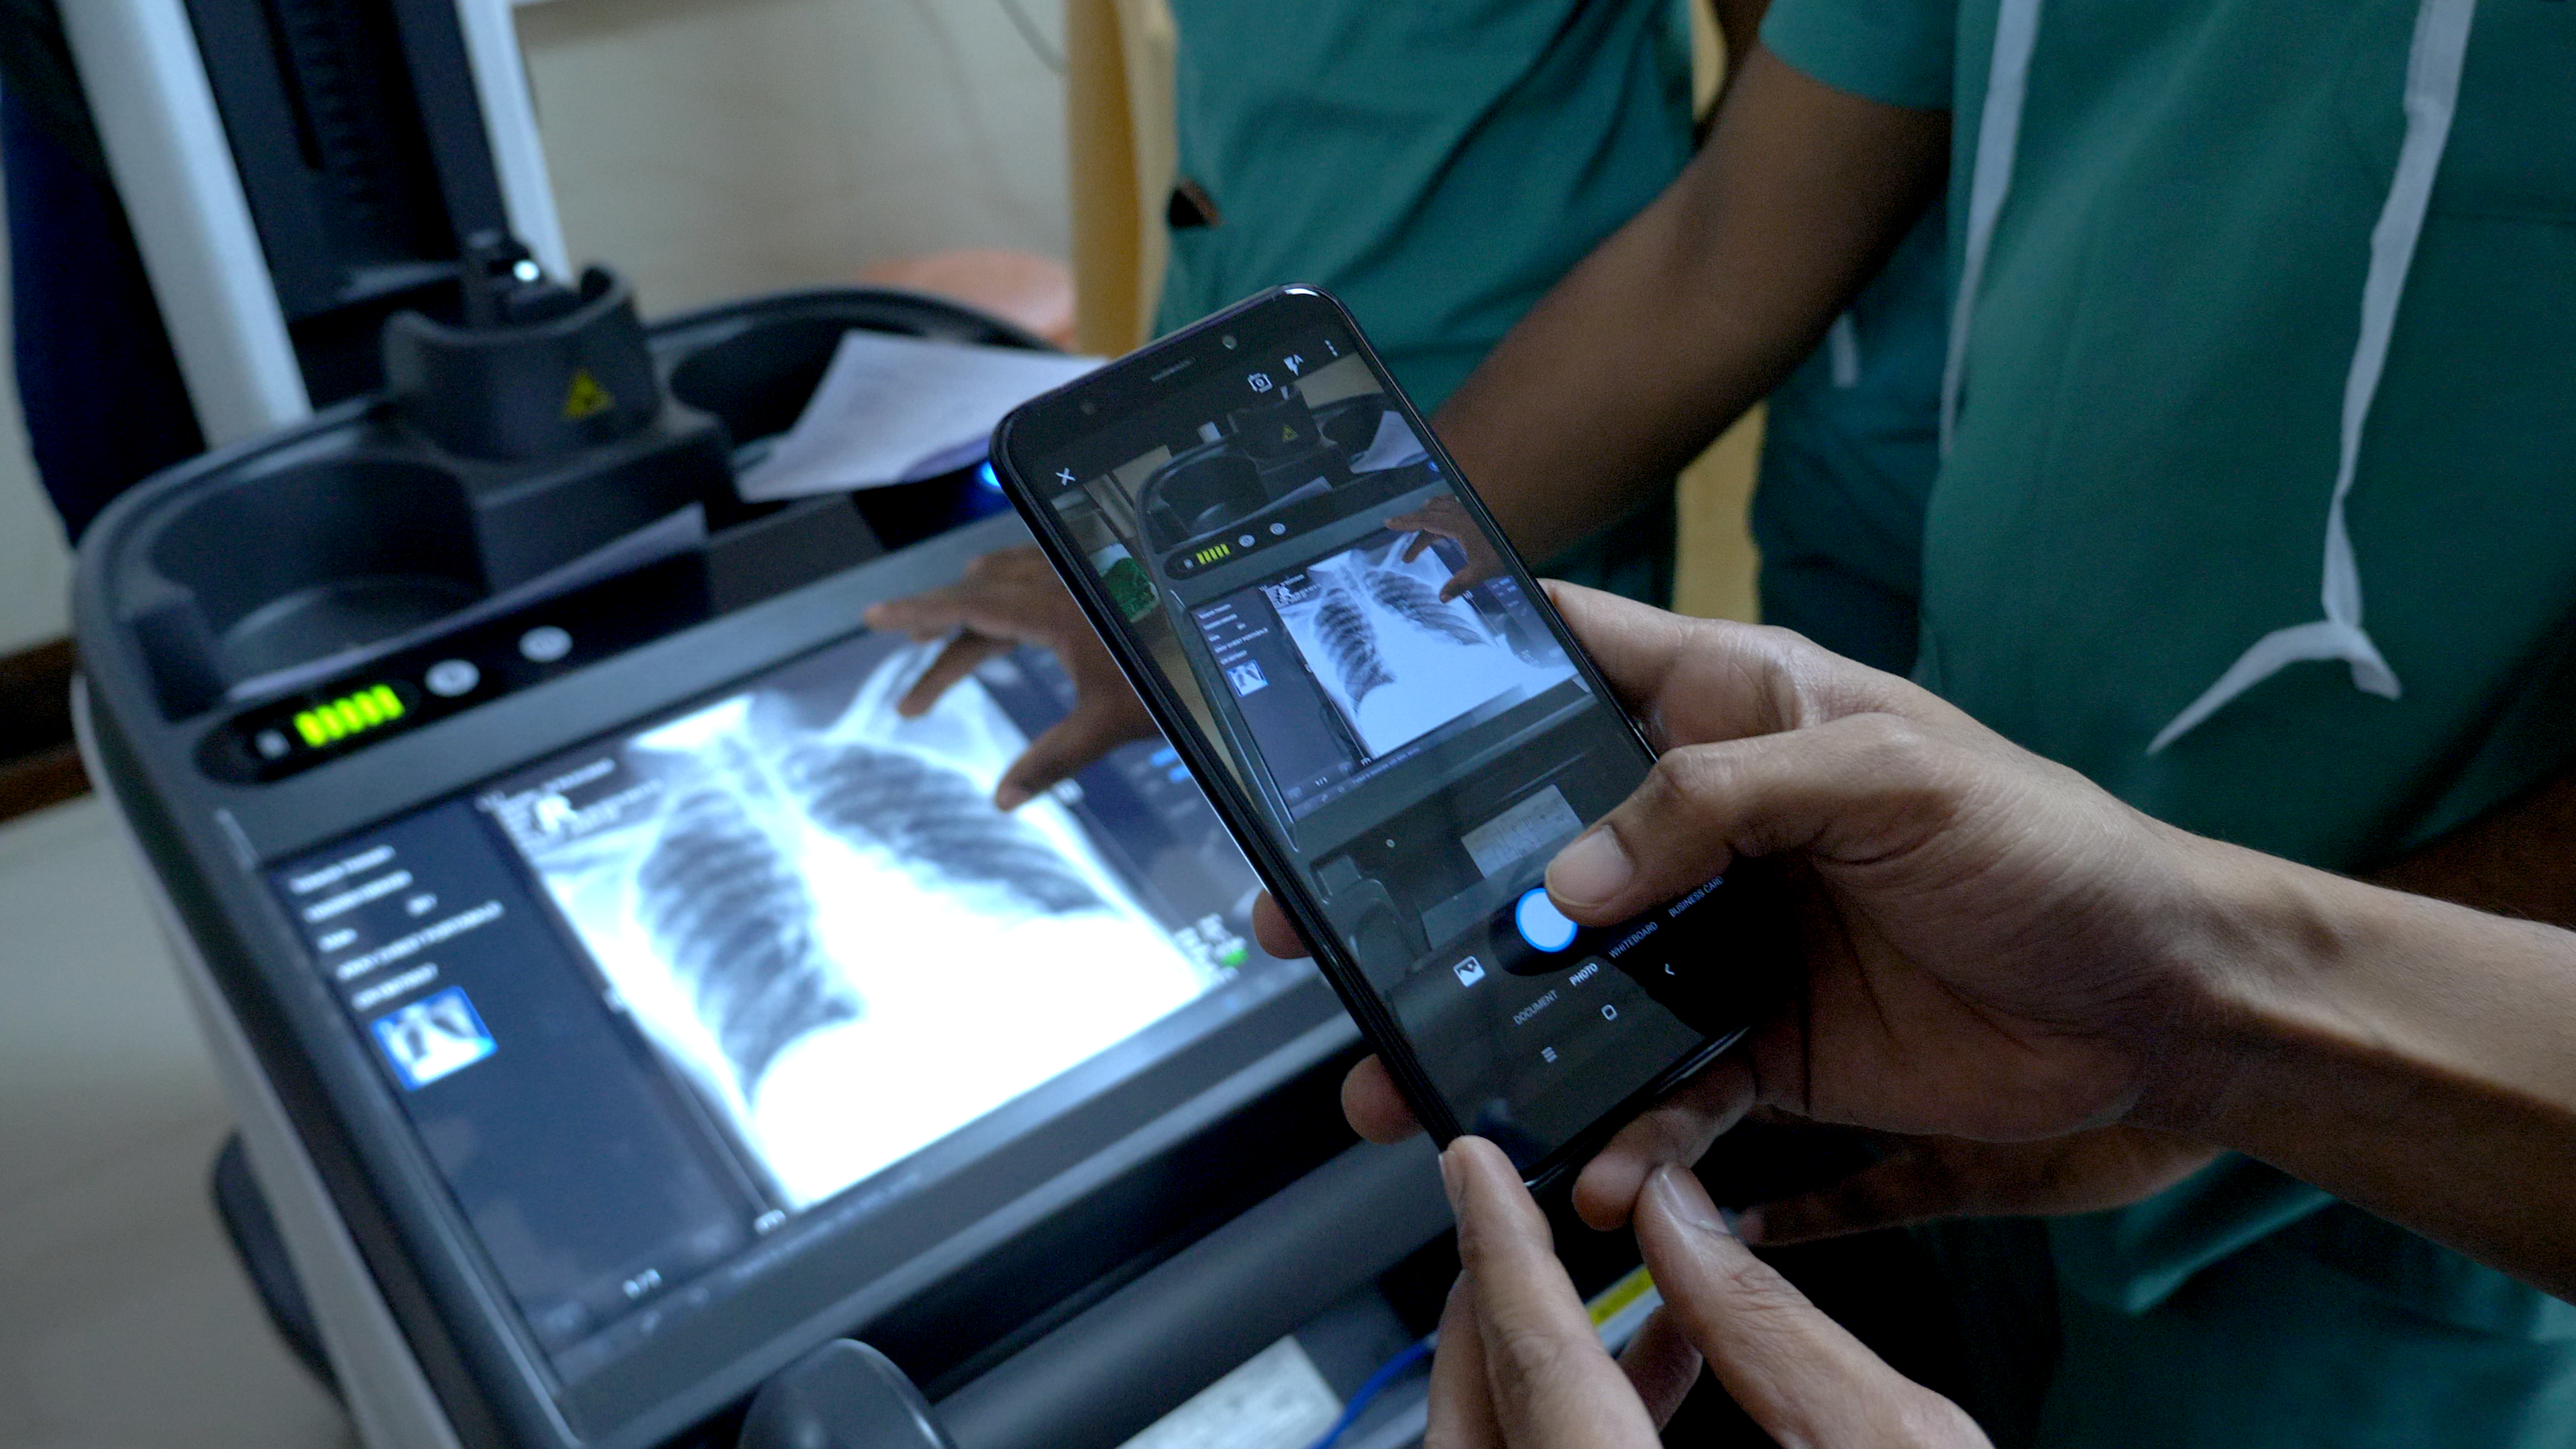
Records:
x=712, y=148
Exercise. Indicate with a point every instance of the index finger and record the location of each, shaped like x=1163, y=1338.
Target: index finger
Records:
x=1372, y=1105
x=954, y=662
x=1675, y=1132
x=1800, y=1375
x=1552, y=1381
x=926, y=616
x=1691, y=681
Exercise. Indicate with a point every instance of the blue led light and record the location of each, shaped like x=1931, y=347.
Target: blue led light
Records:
x=986, y=476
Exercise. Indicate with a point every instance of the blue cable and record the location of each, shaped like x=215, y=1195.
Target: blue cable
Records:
x=1394, y=1368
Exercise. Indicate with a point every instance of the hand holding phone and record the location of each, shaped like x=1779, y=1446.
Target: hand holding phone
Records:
x=1389, y=716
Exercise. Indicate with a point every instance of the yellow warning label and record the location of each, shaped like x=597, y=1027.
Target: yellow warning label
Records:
x=1287, y=432
x=586, y=397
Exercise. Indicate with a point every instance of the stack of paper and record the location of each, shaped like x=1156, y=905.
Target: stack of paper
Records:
x=896, y=409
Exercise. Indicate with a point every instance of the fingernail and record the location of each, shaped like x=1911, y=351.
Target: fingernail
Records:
x=1010, y=797
x=1685, y=1199
x=1591, y=870
x=1449, y=1170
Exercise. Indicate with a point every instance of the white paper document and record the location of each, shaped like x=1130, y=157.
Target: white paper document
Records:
x=896, y=409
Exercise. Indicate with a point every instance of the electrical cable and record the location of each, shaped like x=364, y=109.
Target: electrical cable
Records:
x=1616, y=1312
x=1048, y=55
x=1393, y=1369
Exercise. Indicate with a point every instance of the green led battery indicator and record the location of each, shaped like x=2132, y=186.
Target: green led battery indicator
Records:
x=350, y=714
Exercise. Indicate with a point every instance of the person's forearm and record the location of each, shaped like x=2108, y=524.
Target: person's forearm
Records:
x=2408, y=1055
x=1691, y=312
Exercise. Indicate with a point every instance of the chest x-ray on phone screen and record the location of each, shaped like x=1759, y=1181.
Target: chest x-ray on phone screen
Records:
x=1307, y=593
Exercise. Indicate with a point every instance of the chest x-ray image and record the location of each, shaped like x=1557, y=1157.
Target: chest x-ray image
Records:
x=1396, y=661
x=814, y=908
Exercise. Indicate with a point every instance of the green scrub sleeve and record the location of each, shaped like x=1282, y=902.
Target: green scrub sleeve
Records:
x=1895, y=52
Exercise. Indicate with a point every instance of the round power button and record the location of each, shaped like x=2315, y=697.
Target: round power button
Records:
x=545, y=644
x=449, y=678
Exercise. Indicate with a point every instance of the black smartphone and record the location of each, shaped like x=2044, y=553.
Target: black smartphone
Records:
x=1263, y=530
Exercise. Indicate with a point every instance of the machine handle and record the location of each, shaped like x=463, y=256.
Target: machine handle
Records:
x=844, y=1395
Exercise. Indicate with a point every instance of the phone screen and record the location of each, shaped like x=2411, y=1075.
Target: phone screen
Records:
x=1303, y=577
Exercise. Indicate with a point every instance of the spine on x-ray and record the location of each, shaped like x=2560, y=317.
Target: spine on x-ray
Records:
x=1351, y=639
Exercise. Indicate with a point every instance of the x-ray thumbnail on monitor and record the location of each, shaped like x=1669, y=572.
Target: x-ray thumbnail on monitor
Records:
x=433, y=1037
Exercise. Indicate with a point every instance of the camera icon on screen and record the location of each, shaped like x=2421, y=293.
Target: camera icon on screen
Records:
x=1470, y=971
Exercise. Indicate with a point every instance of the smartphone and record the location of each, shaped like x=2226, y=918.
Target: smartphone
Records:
x=1263, y=528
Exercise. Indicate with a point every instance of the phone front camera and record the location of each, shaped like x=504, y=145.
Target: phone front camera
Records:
x=1229, y=342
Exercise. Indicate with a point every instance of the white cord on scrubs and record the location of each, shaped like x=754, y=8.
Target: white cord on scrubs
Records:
x=1998, y=137
x=2433, y=65
x=1842, y=352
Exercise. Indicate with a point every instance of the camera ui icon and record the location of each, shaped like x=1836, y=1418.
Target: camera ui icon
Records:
x=1470, y=971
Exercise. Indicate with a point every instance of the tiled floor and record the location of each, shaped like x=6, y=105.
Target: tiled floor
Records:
x=124, y=1323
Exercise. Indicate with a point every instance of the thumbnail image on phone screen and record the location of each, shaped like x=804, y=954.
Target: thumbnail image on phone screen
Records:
x=1384, y=703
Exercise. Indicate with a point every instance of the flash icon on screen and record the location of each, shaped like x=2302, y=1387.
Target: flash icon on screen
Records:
x=1470, y=971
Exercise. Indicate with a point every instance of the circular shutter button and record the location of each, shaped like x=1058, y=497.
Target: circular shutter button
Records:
x=1541, y=924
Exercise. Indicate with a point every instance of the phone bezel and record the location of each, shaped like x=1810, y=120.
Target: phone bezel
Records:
x=1058, y=420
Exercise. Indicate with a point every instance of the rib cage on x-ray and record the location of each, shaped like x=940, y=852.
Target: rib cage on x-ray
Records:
x=737, y=927
x=1411, y=599
x=727, y=908
x=1346, y=631
x=931, y=817
x=1396, y=661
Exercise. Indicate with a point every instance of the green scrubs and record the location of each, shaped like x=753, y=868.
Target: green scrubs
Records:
x=1437, y=166
x=2138, y=491
x=1850, y=443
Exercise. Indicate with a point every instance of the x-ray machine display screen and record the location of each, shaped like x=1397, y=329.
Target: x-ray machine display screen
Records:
x=655, y=1005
